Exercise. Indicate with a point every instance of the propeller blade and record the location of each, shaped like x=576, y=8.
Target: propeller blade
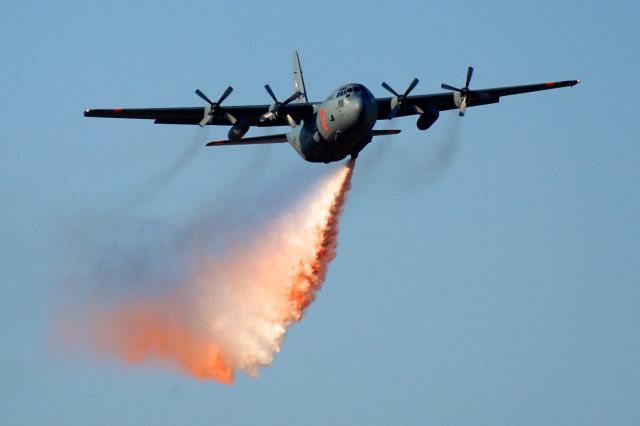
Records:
x=225, y=94
x=469, y=74
x=230, y=118
x=206, y=119
x=393, y=111
x=266, y=116
x=292, y=98
x=203, y=96
x=411, y=87
x=415, y=108
x=270, y=92
x=398, y=100
x=447, y=87
x=463, y=107
x=386, y=86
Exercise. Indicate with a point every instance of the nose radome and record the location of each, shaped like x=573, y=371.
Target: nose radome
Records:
x=367, y=107
x=356, y=103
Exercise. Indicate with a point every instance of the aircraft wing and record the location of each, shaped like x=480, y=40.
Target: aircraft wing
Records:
x=447, y=101
x=193, y=115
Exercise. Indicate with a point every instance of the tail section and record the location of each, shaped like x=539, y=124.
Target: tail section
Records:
x=298, y=81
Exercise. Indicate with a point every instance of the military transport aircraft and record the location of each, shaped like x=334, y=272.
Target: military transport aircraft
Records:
x=326, y=131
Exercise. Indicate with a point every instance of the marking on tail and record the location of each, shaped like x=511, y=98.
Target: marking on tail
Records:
x=298, y=80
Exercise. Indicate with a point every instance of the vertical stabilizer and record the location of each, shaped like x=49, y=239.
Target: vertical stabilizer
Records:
x=298, y=81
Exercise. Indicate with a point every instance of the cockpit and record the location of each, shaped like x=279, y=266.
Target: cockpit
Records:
x=345, y=91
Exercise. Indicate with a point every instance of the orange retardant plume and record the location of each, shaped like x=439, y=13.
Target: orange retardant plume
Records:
x=231, y=311
x=136, y=331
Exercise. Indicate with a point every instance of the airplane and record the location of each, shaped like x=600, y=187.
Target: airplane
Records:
x=331, y=130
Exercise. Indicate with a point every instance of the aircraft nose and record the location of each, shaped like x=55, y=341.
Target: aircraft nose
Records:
x=367, y=107
x=356, y=104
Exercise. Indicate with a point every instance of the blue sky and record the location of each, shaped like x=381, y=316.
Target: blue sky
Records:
x=501, y=288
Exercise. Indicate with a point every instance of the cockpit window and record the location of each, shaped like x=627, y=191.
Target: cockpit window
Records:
x=347, y=90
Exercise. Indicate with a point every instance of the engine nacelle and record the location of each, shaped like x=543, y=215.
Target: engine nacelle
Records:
x=427, y=119
x=238, y=130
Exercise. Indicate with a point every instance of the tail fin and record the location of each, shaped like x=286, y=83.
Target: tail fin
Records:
x=298, y=81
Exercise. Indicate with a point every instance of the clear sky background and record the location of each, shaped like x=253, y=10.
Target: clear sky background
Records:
x=499, y=285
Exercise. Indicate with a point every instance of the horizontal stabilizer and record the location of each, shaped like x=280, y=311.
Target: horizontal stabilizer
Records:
x=282, y=137
x=385, y=132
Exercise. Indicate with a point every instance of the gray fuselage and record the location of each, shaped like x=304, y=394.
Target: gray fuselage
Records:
x=341, y=126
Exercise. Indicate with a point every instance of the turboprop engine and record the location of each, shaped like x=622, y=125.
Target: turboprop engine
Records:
x=427, y=118
x=238, y=130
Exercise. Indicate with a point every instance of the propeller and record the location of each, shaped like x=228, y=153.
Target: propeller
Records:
x=272, y=114
x=211, y=110
x=464, y=92
x=398, y=100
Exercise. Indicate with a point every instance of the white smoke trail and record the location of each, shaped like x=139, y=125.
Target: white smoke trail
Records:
x=187, y=155
x=426, y=169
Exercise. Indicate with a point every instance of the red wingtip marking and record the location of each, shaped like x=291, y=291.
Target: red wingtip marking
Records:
x=117, y=110
x=550, y=84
